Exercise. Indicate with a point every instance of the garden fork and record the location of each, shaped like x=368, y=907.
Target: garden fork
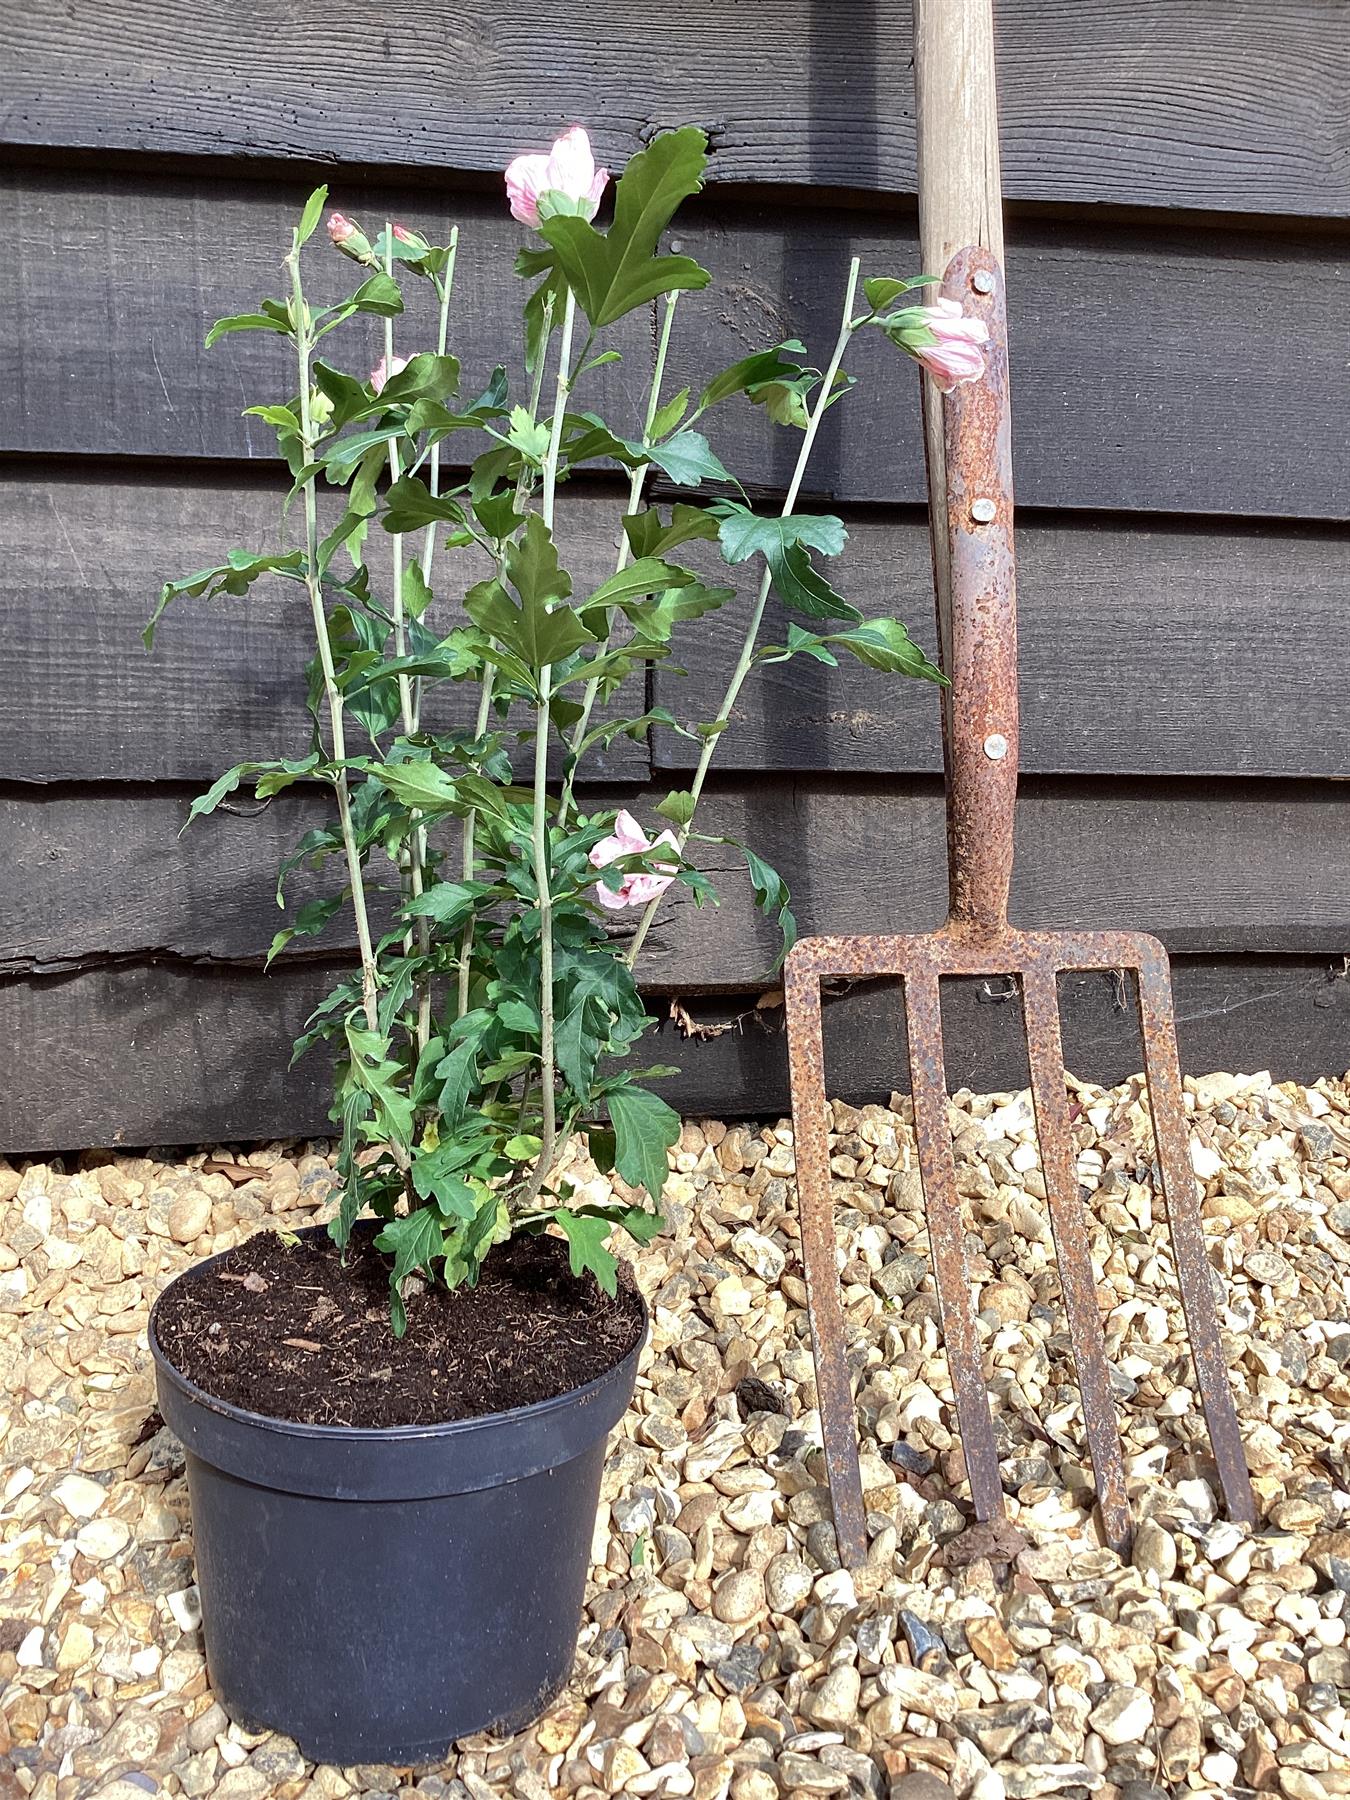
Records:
x=970, y=476
x=981, y=760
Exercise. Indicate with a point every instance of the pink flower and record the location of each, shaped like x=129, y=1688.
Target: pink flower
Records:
x=349, y=238
x=629, y=839
x=380, y=373
x=568, y=171
x=404, y=236
x=954, y=355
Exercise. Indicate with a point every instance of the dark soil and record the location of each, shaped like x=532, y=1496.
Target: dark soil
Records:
x=289, y=1331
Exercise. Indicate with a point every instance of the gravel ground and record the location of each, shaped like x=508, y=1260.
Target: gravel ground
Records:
x=723, y=1651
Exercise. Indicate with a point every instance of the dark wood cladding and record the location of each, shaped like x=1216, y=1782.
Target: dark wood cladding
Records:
x=1153, y=647
x=1121, y=400
x=1145, y=647
x=1226, y=105
x=87, y=550
x=1177, y=293
x=167, y=1054
x=1209, y=867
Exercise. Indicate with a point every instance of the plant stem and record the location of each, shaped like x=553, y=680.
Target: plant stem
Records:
x=445, y=287
x=746, y=658
x=304, y=343
x=416, y=849
x=637, y=478
x=547, y=1097
x=469, y=830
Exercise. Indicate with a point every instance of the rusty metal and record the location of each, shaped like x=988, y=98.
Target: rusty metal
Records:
x=980, y=721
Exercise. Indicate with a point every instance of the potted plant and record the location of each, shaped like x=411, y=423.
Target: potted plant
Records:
x=395, y=1427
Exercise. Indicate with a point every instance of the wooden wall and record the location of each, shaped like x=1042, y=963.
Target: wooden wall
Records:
x=1179, y=182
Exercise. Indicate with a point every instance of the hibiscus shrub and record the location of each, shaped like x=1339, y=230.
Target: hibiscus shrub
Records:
x=494, y=1008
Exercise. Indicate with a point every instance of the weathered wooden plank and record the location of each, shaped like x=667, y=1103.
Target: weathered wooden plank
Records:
x=94, y=874
x=113, y=282
x=86, y=552
x=1144, y=650
x=1143, y=373
x=1141, y=651
x=1232, y=104
x=160, y=1053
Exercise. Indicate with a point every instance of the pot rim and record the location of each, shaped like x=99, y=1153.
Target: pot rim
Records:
x=381, y=1434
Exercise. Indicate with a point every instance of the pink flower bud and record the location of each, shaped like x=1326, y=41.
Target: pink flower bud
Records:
x=568, y=172
x=380, y=373
x=413, y=238
x=637, y=888
x=348, y=237
x=954, y=355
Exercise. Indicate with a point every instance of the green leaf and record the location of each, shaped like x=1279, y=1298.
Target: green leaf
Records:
x=450, y=903
x=587, y=1247
x=678, y=806
x=771, y=897
x=415, y=1241
x=667, y=417
x=687, y=458
x=234, y=576
x=783, y=542
x=417, y=596
x=530, y=436
x=523, y=1147
x=310, y=217
x=532, y=565
x=426, y=377
x=649, y=535
x=497, y=514
x=269, y=778
x=410, y=504
x=245, y=322
x=310, y=920
x=421, y=785
x=613, y=273
x=885, y=644
x=383, y=1079
x=280, y=416
x=648, y=575
x=457, y=1074
x=379, y=295
x=644, y=1129
x=538, y=635
x=744, y=535
x=750, y=371
x=654, y=620
x=884, y=290
x=578, y=1046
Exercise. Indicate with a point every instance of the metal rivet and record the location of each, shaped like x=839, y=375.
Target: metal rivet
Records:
x=996, y=746
x=982, y=281
x=982, y=511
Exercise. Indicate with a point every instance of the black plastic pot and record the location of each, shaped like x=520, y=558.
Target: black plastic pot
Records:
x=376, y=1594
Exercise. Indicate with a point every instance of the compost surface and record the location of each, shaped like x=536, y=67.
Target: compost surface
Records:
x=290, y=1330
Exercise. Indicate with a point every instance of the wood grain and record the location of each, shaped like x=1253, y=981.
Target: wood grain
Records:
x=1150, y=371
x=160, y=1053
x=86, y=552
x=1197, y=650
x=1233, y=105
x=95, y=874
x=114, y=281
x=1145, y=650
x=1143, y=373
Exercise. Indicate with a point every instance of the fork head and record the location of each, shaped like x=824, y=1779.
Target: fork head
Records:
x=1034, y=959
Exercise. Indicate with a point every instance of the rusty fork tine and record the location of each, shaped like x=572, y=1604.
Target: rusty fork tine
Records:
x=937, y=1168
x=1170, y=1135
x=815, y=1214
x=1045, y=1050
